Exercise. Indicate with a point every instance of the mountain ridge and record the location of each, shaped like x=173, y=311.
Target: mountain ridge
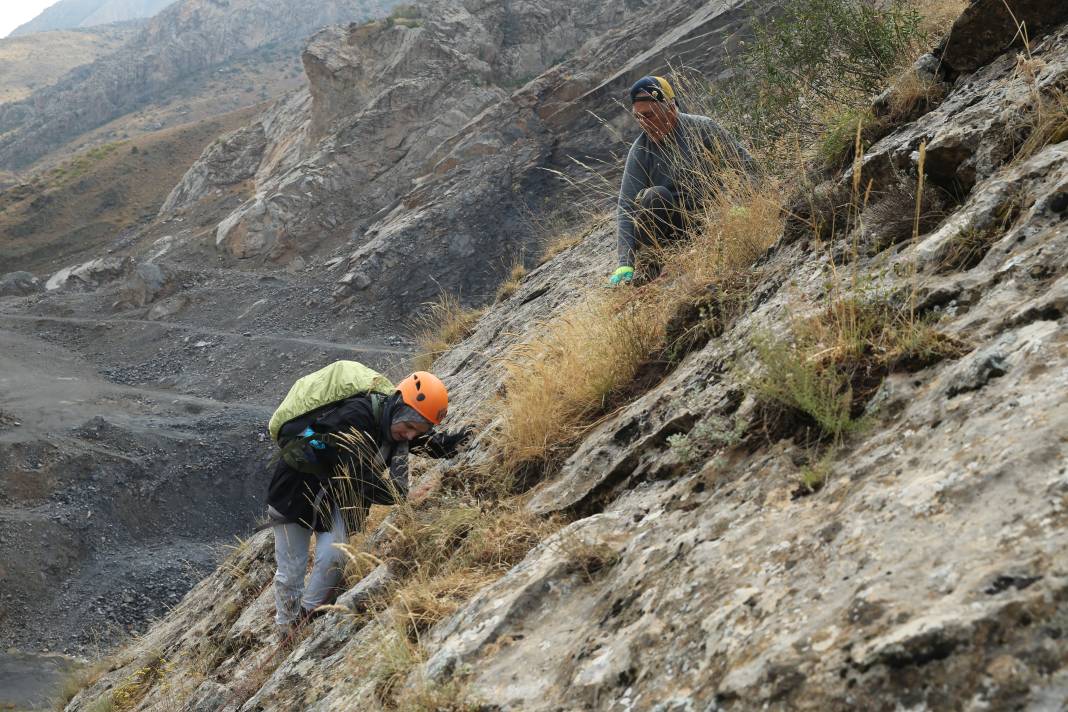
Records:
x=72, y=14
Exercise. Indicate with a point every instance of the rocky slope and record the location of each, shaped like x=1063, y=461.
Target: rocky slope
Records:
x=928, y=572
x=139, y=313
x=71, y=14
x=183, y=40
x=431, y=140
x=28, y=64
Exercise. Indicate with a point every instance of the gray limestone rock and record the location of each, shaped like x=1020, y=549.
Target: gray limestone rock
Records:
x=19, y=284
x=89, y=274
x=372, y=586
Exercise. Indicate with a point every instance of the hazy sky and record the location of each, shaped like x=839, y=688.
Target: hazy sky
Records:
x=16, y=12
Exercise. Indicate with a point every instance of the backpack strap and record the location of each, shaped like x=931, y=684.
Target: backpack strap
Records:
x=378, y=403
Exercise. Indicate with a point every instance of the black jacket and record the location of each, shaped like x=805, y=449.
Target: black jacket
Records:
x=356, y=478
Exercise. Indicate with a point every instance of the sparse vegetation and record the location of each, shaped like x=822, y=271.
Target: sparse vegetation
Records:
x=510, y=285
x=832, y=362
x=442, y=324
x=78, y=681
x=127, y=695
x=911, y=95
x=707, y=437
x=426, y=696
x=967, y=248
x=814, y=475
x=837, y=145
x=444, y=552
x=834, y=53
x=405, y=16
x=1047, y=122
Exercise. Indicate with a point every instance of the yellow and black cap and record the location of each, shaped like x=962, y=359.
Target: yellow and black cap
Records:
x=652, y=89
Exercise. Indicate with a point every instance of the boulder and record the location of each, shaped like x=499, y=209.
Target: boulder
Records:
x=19, y=284
x=89, y=275
x=147, y=283
x=986, y=29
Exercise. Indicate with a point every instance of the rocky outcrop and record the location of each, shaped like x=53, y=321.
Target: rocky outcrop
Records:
x=227, y=162
x=182, y=40
x=89, y=274
x=384, y=96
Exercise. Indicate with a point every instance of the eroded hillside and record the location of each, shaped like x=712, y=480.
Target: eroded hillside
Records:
x=30, y=64
x=186, y=39
x=831, y=477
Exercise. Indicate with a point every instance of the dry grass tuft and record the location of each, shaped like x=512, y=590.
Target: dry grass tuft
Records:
x=129, y=694
x=566, y=237
x=1047, y=123
x=445, y=551
x=426, y=600
x=938, y=15
x=890, y=217
x=567, y=372
x=966, y=249
x=448, y=696
x=389, y=662
x=912, y=95
x=442, y=324
x=510, y=285
x=78, y=681
x=360, y=561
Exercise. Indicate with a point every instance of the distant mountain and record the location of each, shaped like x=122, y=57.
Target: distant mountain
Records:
x=31, y=63
x=70, y=14
x=183, y=40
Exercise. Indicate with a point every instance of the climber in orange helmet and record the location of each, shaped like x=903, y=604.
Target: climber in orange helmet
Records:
x=353, y=453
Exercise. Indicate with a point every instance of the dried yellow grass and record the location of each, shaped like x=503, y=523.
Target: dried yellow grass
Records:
x=566, y=373
x=510, y=285
x=441, y=325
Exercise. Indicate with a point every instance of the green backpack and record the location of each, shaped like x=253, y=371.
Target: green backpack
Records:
x=331, y=384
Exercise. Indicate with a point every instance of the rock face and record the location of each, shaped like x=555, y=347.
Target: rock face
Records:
x=989, y=27
x=384, y=96
x=69, y=14
x=431, y=139
x=928, y=573
x=187, y=37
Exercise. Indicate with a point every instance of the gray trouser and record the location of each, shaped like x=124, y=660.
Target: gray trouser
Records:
x=291, y=542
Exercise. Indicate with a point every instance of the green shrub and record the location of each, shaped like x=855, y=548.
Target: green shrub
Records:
x=813, y=54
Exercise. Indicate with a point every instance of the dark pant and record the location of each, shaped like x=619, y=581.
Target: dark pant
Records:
x=660, y=222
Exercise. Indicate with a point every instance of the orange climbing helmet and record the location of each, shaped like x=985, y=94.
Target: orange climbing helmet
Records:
x=425, y=393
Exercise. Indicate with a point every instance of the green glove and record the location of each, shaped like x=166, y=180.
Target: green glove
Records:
x=624, y=274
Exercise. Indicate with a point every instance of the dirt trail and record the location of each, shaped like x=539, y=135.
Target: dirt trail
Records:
x=364, y=348
x=47, y=389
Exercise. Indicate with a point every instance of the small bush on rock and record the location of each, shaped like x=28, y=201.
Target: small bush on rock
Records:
x=831, y=363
